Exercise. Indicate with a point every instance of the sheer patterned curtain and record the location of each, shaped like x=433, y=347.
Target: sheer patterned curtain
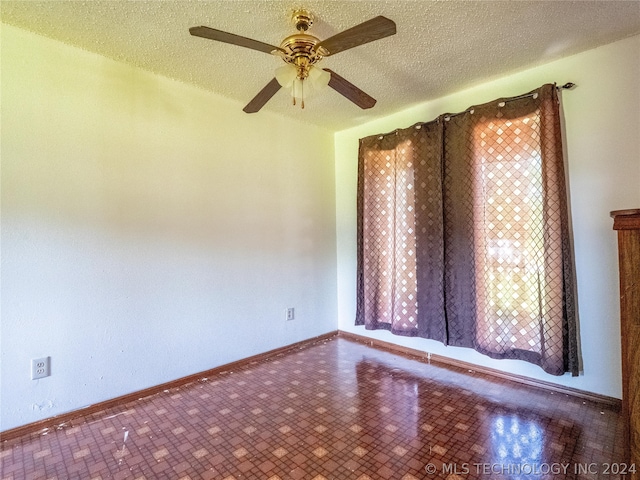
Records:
x=390, y=264
x=463, y=234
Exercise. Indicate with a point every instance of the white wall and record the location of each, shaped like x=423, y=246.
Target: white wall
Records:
x=150, y=230
x=602, y=117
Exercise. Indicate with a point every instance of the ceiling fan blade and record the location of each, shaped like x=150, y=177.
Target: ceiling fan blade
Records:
x=220, y=36
x=374, y=29
x=350, y=91
x=262, y=97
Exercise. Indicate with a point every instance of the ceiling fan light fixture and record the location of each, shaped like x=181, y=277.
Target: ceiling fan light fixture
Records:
x=286, y=74
x=300, y=85
x=319, y=78
x=297, y=91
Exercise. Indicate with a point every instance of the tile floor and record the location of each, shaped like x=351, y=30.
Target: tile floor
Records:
x=335, y=409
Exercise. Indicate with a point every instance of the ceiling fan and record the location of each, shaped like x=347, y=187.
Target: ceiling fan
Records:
x=301, y=52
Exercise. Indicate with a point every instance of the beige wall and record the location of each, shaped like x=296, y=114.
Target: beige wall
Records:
x=602, y=125
x=150, y=230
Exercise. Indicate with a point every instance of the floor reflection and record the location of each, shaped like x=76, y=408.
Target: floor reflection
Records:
x=517, y=442
x=457, y=428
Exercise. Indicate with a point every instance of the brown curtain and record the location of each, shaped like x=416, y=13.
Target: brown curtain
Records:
x=463, y=232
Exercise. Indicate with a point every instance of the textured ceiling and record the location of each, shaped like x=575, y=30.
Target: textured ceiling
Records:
x=440, y=47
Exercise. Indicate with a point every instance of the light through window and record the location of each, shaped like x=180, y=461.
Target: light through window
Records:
x=509, y=233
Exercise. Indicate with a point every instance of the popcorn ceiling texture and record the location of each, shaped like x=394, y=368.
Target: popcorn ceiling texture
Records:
x=441, y=46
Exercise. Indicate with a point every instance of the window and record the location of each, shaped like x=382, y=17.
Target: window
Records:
x=509, y=233
x=463, y=233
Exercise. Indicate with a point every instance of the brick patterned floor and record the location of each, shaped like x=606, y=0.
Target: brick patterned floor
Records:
x=332, y=410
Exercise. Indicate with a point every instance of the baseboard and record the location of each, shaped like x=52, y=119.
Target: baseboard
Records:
x=63, y=420
x=609, y=402
x=66, y=419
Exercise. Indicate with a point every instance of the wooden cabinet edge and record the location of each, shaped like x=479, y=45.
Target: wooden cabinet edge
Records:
x=627, y=223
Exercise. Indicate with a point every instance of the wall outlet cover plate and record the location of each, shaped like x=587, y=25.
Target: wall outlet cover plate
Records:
x=40, y=367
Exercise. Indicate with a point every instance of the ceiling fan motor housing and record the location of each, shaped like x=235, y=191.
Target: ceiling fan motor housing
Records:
x=300, y=51
x=300, y=48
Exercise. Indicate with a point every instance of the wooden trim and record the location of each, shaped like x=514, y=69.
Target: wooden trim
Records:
x=60, y=421
x=610, y=402
x=626, y=219
x=627, y=222
x=628, y=211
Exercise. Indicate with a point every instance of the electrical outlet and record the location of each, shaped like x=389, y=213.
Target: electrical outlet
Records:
x=40, y=367
x=290, y=314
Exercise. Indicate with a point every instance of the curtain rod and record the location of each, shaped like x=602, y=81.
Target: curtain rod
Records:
x=566, y=86
x=447, y=116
